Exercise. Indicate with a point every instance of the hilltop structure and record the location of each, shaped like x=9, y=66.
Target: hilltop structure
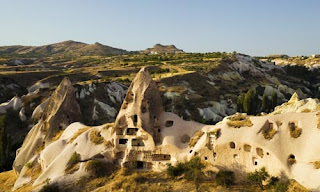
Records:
x=146, y=137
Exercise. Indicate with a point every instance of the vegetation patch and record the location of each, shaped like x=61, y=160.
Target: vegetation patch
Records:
x=316, y=164
x=216, y=132
x=78, y=133
x=192, y=170
x=225, y=178
x=7, y=180
x=72, y=164
x=239, y=120
x=258, y=177
x=58, y=135
x=99, y=168
x=195, y=138
x=295, y=131
x=269, y=133
x=50, y=188
x=96, y=137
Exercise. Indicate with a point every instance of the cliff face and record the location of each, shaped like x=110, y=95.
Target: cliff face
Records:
x=62, y=109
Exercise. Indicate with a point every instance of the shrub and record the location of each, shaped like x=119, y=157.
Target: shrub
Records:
x=239, y=120
x=175, y=171
x=295, y=131
x=258, y=177
x=78, y=133
x=195, y=138
x=269, y=133
x=28, y=164
x=225, y=178
x=95, y=137
x=50, y=188
x=99, y=168
x=281, y=186
x=192, y=170
x=74, y=159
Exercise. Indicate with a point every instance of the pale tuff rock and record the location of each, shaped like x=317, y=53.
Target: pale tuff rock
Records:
x=61, y=110
x=14, y=103
x=146, y=137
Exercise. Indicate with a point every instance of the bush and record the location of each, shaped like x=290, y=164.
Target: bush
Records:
x=258, y=177
x=74, y=159
x=225, y=178
x=96, y=137
x=50, y=188
x=98, y=168
x=192, y=170
x=281, y=186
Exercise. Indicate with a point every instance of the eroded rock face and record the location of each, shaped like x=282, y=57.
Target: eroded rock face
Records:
x=62, y=109
x=142, y=106
x=146, y=137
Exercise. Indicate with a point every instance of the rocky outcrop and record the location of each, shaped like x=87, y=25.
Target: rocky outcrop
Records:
x=146, y=137
x=62, y=109
x=142, y=106
x=161, y=49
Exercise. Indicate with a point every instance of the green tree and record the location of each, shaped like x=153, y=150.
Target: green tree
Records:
x=192, y=170
x=240, y=102
x=265, y=103
x=258, y=177
x=274, y=100
x=248, y=102
x=225, y=178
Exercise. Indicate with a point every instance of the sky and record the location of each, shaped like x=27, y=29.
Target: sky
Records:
x=253, y=27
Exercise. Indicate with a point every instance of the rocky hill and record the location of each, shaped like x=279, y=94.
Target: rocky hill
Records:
x=160, y=49
x=145, y=137
x=200, y=88
x=65, y=47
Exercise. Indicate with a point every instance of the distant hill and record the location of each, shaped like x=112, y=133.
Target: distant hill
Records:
x=65, y=47
x=159, y=49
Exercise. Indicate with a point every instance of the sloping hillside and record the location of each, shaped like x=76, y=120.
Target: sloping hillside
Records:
x=65, y=47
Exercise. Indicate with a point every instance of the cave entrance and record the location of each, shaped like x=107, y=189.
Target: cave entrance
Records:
x=139, y=164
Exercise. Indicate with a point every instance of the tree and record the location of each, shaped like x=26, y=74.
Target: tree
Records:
x=258, y=177
x=274, y=100
x=265, y=103
x=225, y=178
x=192, y=170
x=248, y=102
x=240, y=102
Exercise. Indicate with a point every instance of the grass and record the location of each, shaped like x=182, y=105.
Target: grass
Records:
x=195, y=138
x=269, y=133
x=58, y=135
x=7, y=180
x=78, y=133
x=295, y=131
x=95, y=137
x=239, y=120
x=29, y=165
x=50, y=188
x=216, y=132
x=72, y=164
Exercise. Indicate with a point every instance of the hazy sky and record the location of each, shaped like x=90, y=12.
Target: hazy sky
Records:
x=247, y=26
